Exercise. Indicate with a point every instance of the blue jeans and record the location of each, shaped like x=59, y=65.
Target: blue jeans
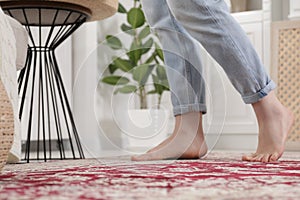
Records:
x=181, y=25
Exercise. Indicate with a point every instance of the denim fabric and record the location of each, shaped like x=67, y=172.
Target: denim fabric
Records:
x=181, y=26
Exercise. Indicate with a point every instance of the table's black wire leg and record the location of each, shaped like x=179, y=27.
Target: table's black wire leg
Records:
x=30, y=122
x=64, y=100
x=22, y=75
x=48, y=102
x=60, y=88
x=54, y=102
x=56, y=112
x=24, y=84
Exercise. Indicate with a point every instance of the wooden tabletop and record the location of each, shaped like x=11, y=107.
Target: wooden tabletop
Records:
x=95, y=9
x=45, y=13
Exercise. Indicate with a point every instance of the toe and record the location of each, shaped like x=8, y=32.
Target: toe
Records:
x=142, y=157
x=274, y=157
x=249, y=157
x=266, y=158
x=135, y=158
x=257, y=158
x=246, y=158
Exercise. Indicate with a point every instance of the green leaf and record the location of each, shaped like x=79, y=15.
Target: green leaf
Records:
x=161, y=72
x=155, y=78
x=127, y=89
x=152, y=92
x=165, y=83
x=115, y=80
x=124, y=65
x=113, y=42
x=135, y=53
x=160, y=85
x=159, y=52
x=147, y=45
x=127, y=29
x=121, y=9
x=141, y=73
x=151, y=58
x=135, y=17
x=159, y=88
x=112, y=68
x=144, y=33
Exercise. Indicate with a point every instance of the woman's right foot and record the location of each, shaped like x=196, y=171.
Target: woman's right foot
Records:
x=186, y=142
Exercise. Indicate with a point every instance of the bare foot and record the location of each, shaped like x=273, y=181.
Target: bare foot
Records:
x=275, y=122
x=186, y=142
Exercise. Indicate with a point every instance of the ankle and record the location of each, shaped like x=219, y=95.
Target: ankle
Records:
x=189, y=122
x=268, y=107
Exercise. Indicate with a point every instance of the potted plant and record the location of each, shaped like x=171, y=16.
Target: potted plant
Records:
x=139, y=72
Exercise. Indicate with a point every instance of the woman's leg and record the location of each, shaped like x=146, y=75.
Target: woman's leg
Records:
x=184, y=69
x=210, y=22
x=184, y=72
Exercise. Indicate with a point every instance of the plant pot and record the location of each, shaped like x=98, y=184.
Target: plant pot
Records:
x=145, y=128
x=238, y=5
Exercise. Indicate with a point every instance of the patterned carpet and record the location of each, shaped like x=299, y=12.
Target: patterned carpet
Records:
x=219, y=176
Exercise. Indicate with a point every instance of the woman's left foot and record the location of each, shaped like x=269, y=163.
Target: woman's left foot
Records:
x=275, y=121
x=186, y=142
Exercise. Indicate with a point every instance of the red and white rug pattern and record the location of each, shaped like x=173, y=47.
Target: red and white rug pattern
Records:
x=216, y=177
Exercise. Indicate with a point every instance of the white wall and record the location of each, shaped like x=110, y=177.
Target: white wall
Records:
x=91, y=101
x=285, y=10
x=294, y=10
x=84, y=78
x=280, y=9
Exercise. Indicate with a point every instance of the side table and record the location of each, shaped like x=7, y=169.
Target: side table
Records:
x=41, y=87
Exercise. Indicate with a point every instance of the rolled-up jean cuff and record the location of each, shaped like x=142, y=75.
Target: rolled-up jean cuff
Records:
x=183, y=109
x=260, y=94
